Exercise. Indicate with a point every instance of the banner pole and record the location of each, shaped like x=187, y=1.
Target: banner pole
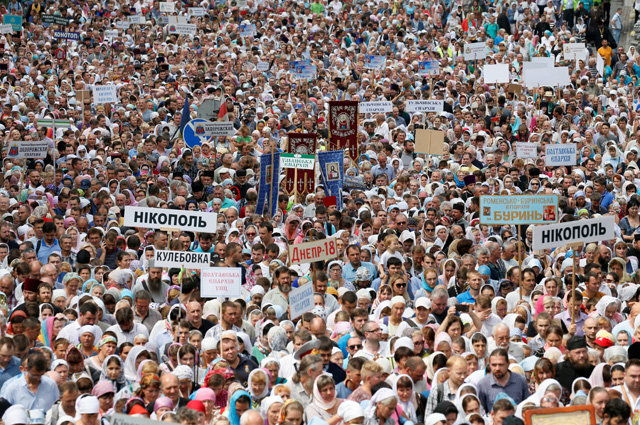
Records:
x=313, y=263
x=520, y=259
x=295, y=186
x=273, y=169
x=573, y=289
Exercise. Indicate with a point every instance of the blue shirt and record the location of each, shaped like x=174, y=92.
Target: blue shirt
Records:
x=12, y=369
x=488, y=389
x=17, y=392
x=342, y=391
x=607, y=199
x=466, y=297
x=349, y=273
x=46, y=250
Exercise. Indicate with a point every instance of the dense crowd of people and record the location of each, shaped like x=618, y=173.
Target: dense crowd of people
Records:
x=423, y=315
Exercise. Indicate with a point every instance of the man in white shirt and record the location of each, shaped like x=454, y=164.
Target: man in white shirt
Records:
x=88, y=315
x=127, y=329
x=372, y=347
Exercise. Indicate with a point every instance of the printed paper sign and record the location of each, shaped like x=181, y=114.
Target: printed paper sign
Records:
x=296, y=160
x=309, y=252
x=305, y=72
x=112, y=34
x=586, y=231
x=574, y=51
x=182, y=29
x=221, y=282
x=262, y=66
x=65, y=35
x=105, y=94
x=518, y=209
x=161, y=218
x=248, y=30
x=427, y=68
x=381, y=107
x=179, y=259
x=294, y=64
x=475, y=51
x=14, y=20
x=559, y=155
x=53, y=19
x=374, y=62
x=167, y=6
x=196, y=11
x=136, y=19
x=301, y=300
x=425, y=105
x=6, y=29
x=214, y=129
x=28, y=150
x=496, y=73
x=526, y=150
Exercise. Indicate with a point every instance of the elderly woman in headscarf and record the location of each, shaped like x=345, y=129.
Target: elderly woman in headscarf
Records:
x=291, y=227
x=607, y=307
x=381, y=407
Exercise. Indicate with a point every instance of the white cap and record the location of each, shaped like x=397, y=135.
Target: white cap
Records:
x=363, y=294
x=398, y=300
x=423, y=302
x=16, y=415
x=350, y=410
x=88, y=405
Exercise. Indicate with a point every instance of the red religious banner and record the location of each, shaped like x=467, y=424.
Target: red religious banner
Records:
x=343, y=128
x=303, y=144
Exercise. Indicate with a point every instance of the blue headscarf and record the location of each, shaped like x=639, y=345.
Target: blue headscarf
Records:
x=233, y=416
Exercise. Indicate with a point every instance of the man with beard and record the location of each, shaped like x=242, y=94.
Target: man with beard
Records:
x=280, y=294
x=154, y=285
x=603, y=256
x=501, y=335
x=576, y=363
x=501, y=380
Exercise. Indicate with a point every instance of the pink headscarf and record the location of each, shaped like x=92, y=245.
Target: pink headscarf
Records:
x=69, y=222
x=540, y=305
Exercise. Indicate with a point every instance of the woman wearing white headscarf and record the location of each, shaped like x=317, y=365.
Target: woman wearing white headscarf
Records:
x=381, y=406
x=324, y=403
x=535, y=399
x=404, y=388
x=270, y=409
x=607, y=307
x=130, y=369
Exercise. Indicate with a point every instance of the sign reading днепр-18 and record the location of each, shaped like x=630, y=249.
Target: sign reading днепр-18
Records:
x=518, y=209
